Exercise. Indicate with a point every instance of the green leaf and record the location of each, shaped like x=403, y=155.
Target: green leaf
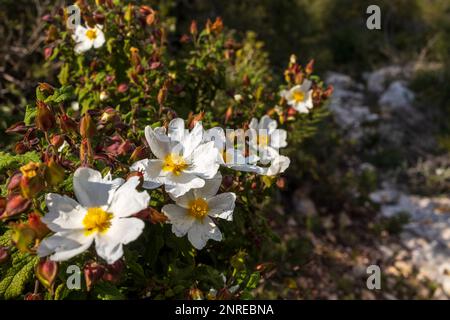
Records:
x=9, y=161
x=63, y=76
x=30, y=114
x=107, y=291
x=18, y=275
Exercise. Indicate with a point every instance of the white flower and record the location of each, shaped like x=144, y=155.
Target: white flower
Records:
x=193, y=211
x=299, y=97
x=101, y=215
x=183, y=160
x=267, y=139
x=86, y=38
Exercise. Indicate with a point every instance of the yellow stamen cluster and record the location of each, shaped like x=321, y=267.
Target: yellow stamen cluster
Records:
x=91, y=34
x=97, y=220
x=299, y=96
x=174, y=163
x=198, y=208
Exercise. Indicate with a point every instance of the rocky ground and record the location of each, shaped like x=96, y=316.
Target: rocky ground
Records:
x=407, y=235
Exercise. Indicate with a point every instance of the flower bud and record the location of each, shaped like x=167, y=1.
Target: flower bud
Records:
x=4, y=255
x=87, y=126
x=14, y=182
x=228, y=114
x=134, y=56
x=54, y=173
x=114, y=271
x=16, y=204
x=151, y=215
x=57, y=140
x=67, y=123
x=48, y=52
x=18, y=127
x=104, y=96
x=36, y=224
x=2, y=205
x=45, y=120
x=195, y=294
x=32, y=181
x=46, y=272
x=193, y=29
x=46, y=88
x=123, y=87
x=33, y=296
x=93, y=272
x=109, y=116
x=20, y=148
x=99, y=18
x=309, y=67
x=217, y=26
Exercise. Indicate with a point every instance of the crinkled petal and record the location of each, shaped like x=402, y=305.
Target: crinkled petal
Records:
x=65, y=245
x=64, y=213
x=222, y=206
x=210, y=188
x=179, y=218
x=127, y=201
x=159, y=143
x=201, y=232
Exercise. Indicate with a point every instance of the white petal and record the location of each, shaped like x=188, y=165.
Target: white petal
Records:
x=184, y=200
x=179, y=218
x=268, y=124
x=278, y=165
x=253, y=124
x=200, y=233
x=83, y=46
x=100, y=39
x=278, y=138
x=151, y=169
x=192, y=140
x=91, y=189
x=65, y=245
x=204, y=161
x=159, y=143
x=176, y=130
x=109, y=246
x=127, y=200
x=64, y=213
x=222, y=206
x=179, y=185
x=210, y=188
x=306, y=85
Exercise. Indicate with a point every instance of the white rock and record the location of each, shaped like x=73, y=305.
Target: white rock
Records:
x=398, y=96
x=378, y=80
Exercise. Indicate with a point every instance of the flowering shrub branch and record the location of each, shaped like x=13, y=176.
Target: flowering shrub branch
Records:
x=127, y=169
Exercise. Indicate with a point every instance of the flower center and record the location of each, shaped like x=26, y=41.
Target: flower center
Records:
x=263, y=140
x=175, y=164
x=299, y=96
x=198, y=208
x=91, y=34
x=97, y=220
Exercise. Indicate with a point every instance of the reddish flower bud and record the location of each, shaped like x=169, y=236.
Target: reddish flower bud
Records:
x=35, y=223
x=18, y=127
x=151, y=215
x=145, y=10
x=47, y=18
x=48, y=52
x=228, y=114
x=20, y=148
x=67, y=124
x=217, y=26
x=57, y=140
x=93, y=272
x=193, y=29
x=114, y=271
x=46, y=88
x=45, y=120
x=195, y=294
x=15, y=205
x=87, y=126
x=33, y=296
x=281, y=182
x=309, y=67
x=109, y=115
x=46, y=272
x=123, y=87
x=4, y=255
x=14, y=182
x=99, y=18
x=2, y=205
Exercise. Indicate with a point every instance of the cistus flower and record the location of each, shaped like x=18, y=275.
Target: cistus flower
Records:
x=191, y=214
x=87, y=38
x=183, y=161
x=299, y=97
x=101, y=215
x=267, y=138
